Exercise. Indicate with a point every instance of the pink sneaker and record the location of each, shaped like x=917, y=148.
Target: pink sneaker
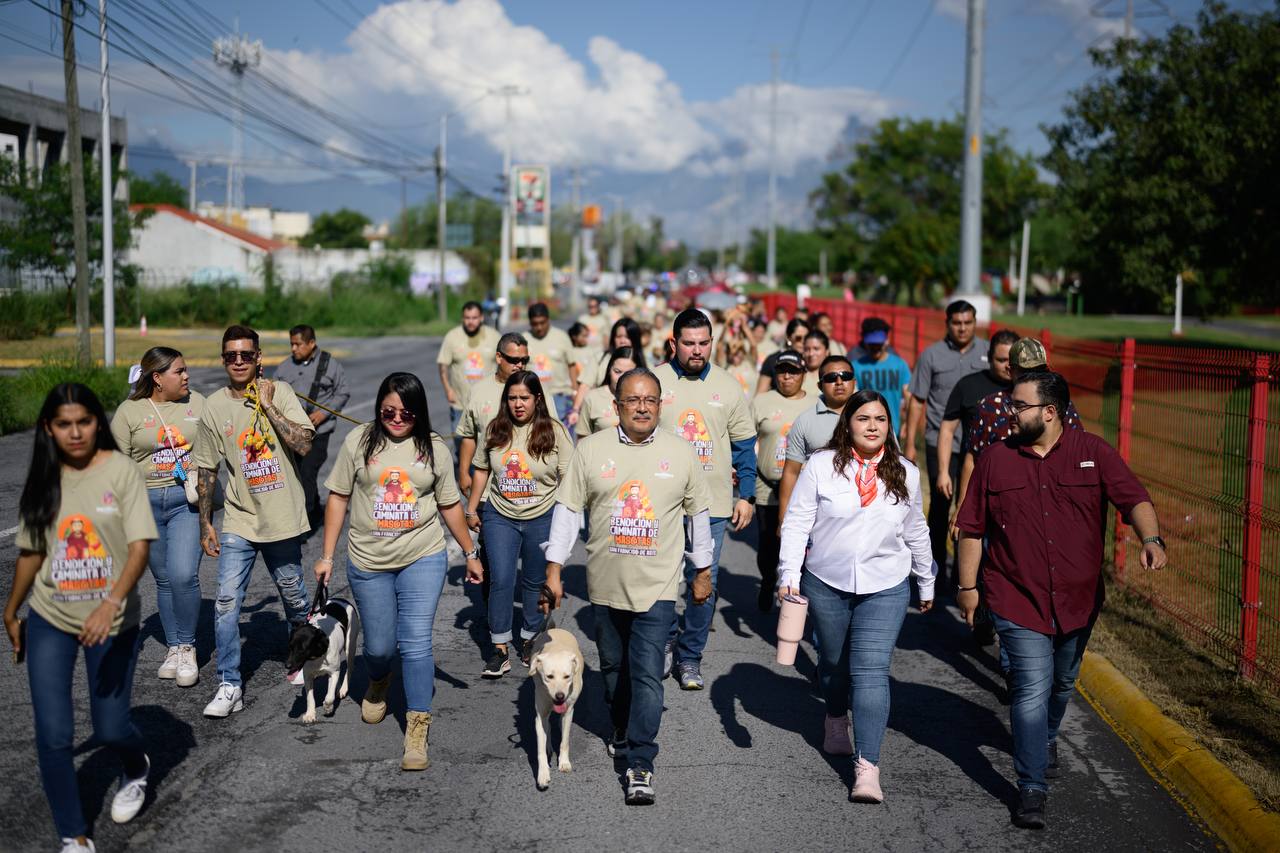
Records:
x=866, y=783
x=835, y=739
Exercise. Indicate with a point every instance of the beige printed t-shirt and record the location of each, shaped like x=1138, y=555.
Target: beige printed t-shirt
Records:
x=709, y=414
x=636, y=498
x=550, y=358
x=585, y=358
x=774, y=414
x=522, y=486
x=395, y=499
x=104, y=508
x=598, y=412
x=481, y=408
x=811, y=386
x=598, y=327
x=141, y=436
x=265, y=502
x=469, y=358
x=746, y=376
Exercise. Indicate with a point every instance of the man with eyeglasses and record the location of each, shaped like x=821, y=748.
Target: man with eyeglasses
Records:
x=466, y=357
x=639, y=486
x=258, y=429
x=512, y=354
x=1038, y=499
x=794, y=341
x=812, y=430
x=704, y=404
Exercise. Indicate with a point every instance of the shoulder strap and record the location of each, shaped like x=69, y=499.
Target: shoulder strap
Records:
x=322, y=366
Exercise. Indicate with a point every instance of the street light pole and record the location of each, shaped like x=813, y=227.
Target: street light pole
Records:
x=442, y=298
x=108, y=238
x=971, y=201
x=504, y=269
x=771, y=262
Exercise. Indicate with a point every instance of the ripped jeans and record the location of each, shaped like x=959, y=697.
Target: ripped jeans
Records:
x=235, y=565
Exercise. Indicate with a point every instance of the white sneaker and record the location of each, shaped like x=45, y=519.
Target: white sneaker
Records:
x=130, y=796
x=226, y=701
x=70, y=845
x=169, y=669
x=188, y=670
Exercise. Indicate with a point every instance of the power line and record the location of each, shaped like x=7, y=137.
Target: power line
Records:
x=906, y=48
x=847, y=40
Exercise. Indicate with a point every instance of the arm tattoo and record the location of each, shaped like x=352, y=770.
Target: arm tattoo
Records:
x=205, y=483
x=296, y=436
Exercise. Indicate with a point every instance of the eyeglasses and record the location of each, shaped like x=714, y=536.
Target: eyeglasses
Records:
x=390, y=415
x=634, y=402
x=837, y=376
x=794, y=371
x=518, y=362
x=1014, y=407
x=239, y=357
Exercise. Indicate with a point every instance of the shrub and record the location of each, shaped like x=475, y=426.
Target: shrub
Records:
x=22, y=394
x=24, y=316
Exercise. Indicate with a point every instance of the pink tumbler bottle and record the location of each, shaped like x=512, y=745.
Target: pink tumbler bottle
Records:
x=791, y=618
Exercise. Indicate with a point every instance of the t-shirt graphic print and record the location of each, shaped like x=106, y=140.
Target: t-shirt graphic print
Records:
x=516, y=482
x=395, y=506
x=692, y=428
x=633, y=526
x=81, y=568
x=259, y=464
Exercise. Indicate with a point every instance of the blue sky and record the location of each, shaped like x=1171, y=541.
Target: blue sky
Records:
x=633, y=93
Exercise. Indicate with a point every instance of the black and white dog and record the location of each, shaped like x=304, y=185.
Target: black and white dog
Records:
x=318, y=646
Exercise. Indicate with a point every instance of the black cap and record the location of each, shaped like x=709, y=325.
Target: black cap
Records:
x=874, y=324
x=789, y=358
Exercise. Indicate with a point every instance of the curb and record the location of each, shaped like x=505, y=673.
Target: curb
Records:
x=1215, y=793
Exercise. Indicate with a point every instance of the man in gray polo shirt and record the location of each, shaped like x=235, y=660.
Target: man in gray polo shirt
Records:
x=937, y=371
x=315, y=373
x=811, y=431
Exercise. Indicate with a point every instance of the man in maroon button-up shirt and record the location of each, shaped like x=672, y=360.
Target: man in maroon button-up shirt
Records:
x=1039, y=499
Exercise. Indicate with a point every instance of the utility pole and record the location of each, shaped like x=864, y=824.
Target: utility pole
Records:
x=771, y=262
x=442, y=295
x=1022, y=271
x=575, y=252
x=508, y=199
x=191, y=191
x=619, y=234
x=404, y=211
x=108, y=238
x=971, y=201
x=238, y=54
x=75, y=155
x=1128, y=19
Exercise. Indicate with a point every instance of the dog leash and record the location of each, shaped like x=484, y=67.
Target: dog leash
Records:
x=334, y=412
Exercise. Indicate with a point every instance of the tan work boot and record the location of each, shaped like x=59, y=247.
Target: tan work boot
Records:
x=417, y=724
x=374, y=705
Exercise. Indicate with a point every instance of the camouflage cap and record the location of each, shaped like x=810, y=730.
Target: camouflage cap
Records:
x=1027, y=354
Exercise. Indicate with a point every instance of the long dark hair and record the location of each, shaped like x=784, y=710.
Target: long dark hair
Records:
x=414, y=399
x=42, y=494
x=634, y=334
x=621, y=352
x=891, y=469
x=542, y=429
x=155, y=360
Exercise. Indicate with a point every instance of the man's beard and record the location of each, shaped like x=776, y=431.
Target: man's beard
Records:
x=1028, y=434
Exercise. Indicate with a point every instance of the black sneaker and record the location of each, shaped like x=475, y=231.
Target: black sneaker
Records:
x=639, y=787
x=526, y=652
x=498, y=664
x=1053, y=770
x=1030, y=811
x=617, y=745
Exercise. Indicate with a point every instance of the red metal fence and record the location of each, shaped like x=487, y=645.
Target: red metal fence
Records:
x=1201, y=428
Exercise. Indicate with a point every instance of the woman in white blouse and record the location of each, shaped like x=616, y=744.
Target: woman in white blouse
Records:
x=857, y=507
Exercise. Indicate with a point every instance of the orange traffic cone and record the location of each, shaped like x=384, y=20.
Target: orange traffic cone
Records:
x=142, y=327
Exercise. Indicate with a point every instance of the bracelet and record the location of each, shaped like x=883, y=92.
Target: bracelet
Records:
x=466, y=513
x=118, y=605
x=328, y=560
x=965, y=588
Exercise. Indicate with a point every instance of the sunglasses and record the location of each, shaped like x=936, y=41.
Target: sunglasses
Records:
x=837, y=376
x=795, y=371
x=239, y=357
x=518, y=362
x=390, y=415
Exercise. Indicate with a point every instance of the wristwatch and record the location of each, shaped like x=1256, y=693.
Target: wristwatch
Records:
x=473, y=554
x=751, y=500
x=1157, y=540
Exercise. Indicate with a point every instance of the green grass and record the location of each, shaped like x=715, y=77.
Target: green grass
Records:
x=1147, y=331
x=22, y=394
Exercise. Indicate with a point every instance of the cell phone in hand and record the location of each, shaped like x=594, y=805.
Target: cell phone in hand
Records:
x=20, y=653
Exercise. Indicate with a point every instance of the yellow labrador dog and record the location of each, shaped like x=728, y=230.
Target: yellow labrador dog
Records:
x=556, y=667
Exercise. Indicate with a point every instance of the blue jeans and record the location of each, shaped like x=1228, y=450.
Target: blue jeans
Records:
x=175, y=564
x=1043, y=668
x=635, y=706
x=506, y=541
x=697, y=617
x=564, y=405
x=856, y=636
x=235, y=565
x=397, y=611
x=51, y=663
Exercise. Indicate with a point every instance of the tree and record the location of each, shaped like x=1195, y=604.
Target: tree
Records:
x=896, y=206
x=1169, y=162
x=160, y=188
x=797, y=253
x=341, y=229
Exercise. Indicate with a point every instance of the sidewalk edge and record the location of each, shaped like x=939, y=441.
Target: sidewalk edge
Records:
x=1216, y=794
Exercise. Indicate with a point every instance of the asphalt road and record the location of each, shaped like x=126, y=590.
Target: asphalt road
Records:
x=740, y=766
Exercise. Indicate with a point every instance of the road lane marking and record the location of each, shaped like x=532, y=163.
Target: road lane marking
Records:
x=5, y=534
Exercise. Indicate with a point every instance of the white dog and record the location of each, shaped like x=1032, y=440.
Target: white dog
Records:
x=557, y=664
x=318, y=646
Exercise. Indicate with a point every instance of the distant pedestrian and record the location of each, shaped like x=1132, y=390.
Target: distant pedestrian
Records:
x=625, y=333
x=817, y=346
x=395, y=476
x=823, y=323
x=639, y=486
x=880, y=369
x=774, y=412
x=812, y=430
x=597, y=323
x=316, y=374
x=524, y=454
x=795, y=334
x=158, y=427
x=257, y=429
x=598, y=411
x=485, y=401
x=777, y=328
x=1038, y=499
x=853, y=535
x=83, y=534
x=551, y=356
x=937, y=371
x=703, y=405
x=466, y=357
